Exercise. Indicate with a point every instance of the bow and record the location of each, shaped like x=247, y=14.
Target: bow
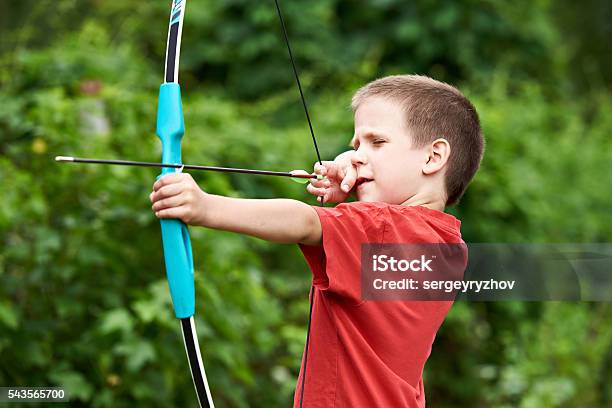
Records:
x=175, y=236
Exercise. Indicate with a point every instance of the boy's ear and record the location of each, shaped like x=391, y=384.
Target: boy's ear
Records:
x=437, y=156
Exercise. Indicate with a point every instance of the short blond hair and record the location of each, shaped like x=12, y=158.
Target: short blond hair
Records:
x=435, y=110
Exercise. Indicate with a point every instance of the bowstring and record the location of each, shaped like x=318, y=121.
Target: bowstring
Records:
x=297, y=80
x=314, y=142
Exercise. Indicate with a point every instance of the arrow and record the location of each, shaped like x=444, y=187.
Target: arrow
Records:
x=300, y=176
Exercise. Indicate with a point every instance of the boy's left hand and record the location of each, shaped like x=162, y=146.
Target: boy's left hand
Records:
x=177, y=195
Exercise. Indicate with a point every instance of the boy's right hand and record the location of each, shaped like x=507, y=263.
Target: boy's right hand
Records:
x=340, y=177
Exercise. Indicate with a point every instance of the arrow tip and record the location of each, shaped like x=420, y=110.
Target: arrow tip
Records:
x=64, y=158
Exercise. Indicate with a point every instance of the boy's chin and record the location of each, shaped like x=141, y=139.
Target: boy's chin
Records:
x=366, y=198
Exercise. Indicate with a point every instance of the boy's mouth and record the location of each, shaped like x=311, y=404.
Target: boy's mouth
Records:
x=361, y=181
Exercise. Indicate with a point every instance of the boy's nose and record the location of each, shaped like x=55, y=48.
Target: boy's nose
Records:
x=359, y=158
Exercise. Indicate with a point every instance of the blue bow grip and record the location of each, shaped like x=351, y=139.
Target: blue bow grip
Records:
x=175, y=236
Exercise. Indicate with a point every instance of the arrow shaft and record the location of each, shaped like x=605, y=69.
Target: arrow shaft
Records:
x=185, y=166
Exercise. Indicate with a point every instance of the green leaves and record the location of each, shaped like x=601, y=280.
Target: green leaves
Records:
x=8, y=316
x=83, y=298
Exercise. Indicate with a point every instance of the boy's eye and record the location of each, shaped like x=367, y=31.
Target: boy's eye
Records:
x=379, y=141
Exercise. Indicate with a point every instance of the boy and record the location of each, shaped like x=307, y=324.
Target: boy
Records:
x=416, y=147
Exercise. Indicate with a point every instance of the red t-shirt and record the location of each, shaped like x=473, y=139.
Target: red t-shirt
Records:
x=366, y=353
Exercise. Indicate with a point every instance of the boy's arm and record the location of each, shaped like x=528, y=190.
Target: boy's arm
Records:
x=278, y=220
x=177, y=195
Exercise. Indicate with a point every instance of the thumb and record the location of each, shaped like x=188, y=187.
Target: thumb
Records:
x=349, y=179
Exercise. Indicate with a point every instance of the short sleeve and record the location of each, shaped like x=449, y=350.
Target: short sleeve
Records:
x=336, y=263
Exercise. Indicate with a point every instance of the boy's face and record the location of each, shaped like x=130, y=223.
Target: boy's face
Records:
x=388, y=168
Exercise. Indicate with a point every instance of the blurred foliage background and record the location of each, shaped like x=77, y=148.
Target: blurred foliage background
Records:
x=83, y=297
